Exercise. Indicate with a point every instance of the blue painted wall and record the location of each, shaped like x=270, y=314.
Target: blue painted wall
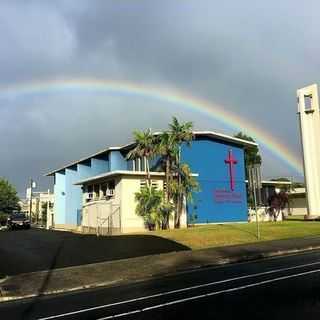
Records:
x=60, y=198
x=73, y=195
x=100, y=165
x=117, y=161
x=216, y=202
x=68, y=207
x=84, y=171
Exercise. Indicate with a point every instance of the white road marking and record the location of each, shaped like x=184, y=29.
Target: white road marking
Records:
x=161, y=294
x=158, y=306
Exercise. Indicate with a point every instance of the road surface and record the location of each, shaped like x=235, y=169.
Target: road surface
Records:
x=277, y=288
x=24, y=251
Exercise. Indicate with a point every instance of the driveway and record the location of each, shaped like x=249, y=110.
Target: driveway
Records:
x=34, y=250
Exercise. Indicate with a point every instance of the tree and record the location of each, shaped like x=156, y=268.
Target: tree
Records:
x=167, y=149
x=183, y=189
x=181, y=133
x=179, y=181
x=251, y=155
x=9, y=200
x=149, y=200
x=144, y=148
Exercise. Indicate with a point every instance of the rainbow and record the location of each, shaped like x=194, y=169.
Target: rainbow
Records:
x=174, y=97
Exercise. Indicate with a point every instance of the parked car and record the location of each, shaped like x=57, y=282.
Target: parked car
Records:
x=18, y=221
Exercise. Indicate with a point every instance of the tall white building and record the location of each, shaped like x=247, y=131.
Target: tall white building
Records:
x=309, y=119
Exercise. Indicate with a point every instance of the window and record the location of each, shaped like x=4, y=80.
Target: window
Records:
x=138, y=164
x=104, y=188
x=96, y=191
x=154, y=184
x=89, y=193
x=143, y=184
x=111, y=185
x=308, y=107
x=107, y=189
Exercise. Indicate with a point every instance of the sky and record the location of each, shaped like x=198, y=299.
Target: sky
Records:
x=248, y=56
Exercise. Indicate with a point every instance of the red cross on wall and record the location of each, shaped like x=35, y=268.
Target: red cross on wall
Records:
x=231, y=161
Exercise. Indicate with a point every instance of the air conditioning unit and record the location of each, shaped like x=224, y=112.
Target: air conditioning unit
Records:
x=110, y=193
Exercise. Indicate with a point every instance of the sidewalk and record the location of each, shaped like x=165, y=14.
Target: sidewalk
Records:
x=142, y=268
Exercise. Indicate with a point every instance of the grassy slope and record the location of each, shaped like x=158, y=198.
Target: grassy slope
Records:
x=228, y=234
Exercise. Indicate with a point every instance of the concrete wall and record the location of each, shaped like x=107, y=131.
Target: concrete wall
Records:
x=263, y=215
x=102, y=216
x=216, y=202
x=131, y=222
x=73, y=196
x=100, y=165
x=60, y=198
x=298, y=206
x=206, y=157
x=68, y=207
x=117, y=161
x=121, y=207
x=309, y=118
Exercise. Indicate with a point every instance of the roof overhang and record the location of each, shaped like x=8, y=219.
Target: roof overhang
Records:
x=127, y=147
x=224, y=137
x=274, y=183
x=73, y=163
x=128, y=173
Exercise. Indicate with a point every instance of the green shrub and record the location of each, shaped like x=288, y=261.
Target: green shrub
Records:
x=3, y=218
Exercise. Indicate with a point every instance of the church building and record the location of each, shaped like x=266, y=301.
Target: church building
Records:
x=96, y=193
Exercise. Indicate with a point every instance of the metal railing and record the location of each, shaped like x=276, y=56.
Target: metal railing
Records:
x=111, y=224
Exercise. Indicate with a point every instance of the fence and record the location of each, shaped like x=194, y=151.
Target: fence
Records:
x=101, y=218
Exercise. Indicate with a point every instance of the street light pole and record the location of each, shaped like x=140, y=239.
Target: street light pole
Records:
x=254, y=181
x=30, y=205
x=256, y=210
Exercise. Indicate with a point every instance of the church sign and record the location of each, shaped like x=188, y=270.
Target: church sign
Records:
x=226, y=196
x=222, y=195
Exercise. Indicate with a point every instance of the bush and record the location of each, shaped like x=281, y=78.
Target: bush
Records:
x=3, y=218
x=148, y=203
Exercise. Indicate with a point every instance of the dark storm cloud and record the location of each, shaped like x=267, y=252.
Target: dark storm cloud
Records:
x=250, y=56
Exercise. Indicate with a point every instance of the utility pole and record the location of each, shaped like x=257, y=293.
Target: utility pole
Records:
x=30, y=206
x=254, y=181
x=32, y=185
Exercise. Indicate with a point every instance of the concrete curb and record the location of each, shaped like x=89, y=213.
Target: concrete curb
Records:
x=6, y=295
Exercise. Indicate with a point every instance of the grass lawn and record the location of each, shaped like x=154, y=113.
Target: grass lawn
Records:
x=200, y=237
x=295, y=217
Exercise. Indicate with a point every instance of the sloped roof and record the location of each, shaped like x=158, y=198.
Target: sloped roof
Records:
x=204, y=134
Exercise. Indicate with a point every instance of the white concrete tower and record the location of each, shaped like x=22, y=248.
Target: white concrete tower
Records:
x=309, y=117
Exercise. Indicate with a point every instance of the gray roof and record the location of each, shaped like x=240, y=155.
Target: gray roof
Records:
x=209, y=134
x=118, y=173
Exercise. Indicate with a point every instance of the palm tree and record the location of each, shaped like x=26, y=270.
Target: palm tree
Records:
x=167, y=149
x=181, y=133
x=183, y=190
x=144, y=148
x=149, y=200
x=179, y=181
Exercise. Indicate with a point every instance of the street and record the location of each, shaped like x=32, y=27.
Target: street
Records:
x=284, y=287
x=32, y=250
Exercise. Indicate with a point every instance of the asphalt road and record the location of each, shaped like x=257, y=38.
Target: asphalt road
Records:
x=36, y=249
x=277, y=288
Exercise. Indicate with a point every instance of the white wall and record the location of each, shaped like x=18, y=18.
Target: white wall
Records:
x=298, y=206
x=95, y=213
x=263, y=215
